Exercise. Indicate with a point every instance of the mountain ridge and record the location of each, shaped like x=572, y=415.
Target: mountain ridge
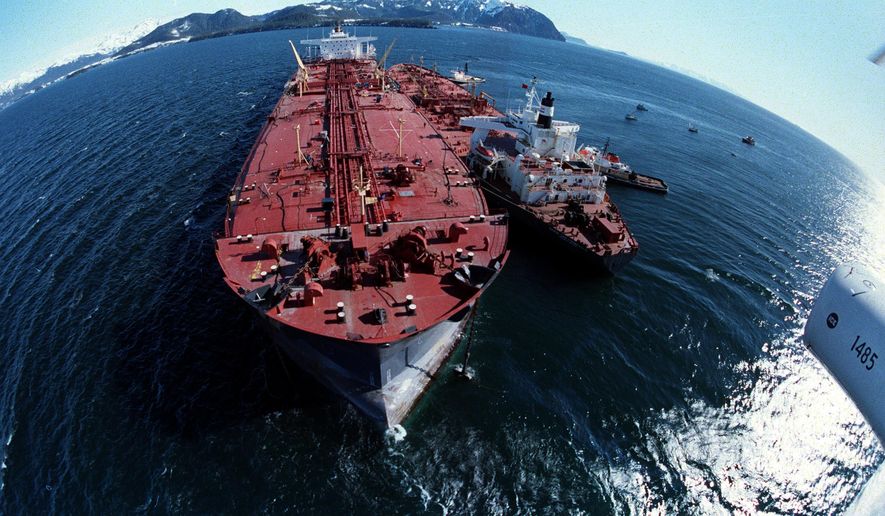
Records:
x=496, y=14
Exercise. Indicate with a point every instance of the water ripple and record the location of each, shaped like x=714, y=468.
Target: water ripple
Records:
x=134, y=381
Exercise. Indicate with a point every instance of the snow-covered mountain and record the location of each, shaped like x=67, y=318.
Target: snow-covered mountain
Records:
x=499, y=14
x=490, y=13
x=33, y=80
x=193, y=25
x=115, y=42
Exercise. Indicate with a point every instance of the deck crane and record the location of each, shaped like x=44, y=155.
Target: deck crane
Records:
x=302, y=76
x=379, y=68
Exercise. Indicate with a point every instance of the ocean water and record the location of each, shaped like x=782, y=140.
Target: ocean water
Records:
x=133, y=381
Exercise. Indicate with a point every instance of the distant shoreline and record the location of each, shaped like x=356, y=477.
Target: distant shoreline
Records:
x=381, y=23
x=399, y=23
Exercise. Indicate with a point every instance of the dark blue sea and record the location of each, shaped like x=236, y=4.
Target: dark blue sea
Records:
x=134, y=381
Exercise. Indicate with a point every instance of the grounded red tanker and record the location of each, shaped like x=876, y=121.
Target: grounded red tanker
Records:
x=354, y=230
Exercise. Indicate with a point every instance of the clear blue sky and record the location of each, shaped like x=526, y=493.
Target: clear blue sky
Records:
x=804, y=60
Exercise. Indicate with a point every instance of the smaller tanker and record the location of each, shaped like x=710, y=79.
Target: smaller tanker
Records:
x=528, y=163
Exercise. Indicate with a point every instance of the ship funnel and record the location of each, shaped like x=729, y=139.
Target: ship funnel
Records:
x=545, y=113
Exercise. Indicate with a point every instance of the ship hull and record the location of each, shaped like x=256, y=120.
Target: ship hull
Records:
x=600, y=264
x=383, y=382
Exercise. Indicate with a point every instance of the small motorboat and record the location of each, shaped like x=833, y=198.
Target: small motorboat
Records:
x=749, y=140
x=641, y=107
x=692, y=128
x=631, y=116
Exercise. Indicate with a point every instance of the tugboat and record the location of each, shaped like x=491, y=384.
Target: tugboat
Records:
x=749, y=140
x=344, y=236
x=461, y=77
x=527, y=162
x=641, y=107
x=615, y=170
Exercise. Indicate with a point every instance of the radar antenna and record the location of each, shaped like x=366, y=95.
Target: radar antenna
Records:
x=399, y=136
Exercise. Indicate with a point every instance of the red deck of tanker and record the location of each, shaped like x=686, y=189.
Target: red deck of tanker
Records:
x=355, y=138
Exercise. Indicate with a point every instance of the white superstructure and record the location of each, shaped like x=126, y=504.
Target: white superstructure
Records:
x=539, y=162
x=341, y=45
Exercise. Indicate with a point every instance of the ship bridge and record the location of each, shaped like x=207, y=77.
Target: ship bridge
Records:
x=536, y=132
x=341, y=45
